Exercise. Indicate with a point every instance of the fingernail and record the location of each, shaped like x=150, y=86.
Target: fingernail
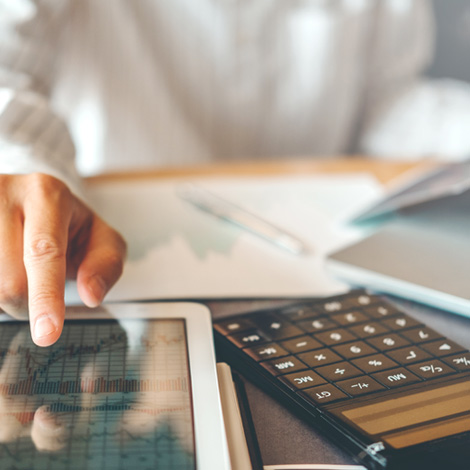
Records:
x=98, y=287
x=44, y=326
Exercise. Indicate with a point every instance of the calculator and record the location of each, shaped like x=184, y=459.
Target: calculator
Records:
x=382, y=385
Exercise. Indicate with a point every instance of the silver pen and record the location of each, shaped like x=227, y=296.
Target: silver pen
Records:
x=226, y=210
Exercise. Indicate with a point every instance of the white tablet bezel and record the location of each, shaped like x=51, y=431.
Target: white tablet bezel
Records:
x=210, y=439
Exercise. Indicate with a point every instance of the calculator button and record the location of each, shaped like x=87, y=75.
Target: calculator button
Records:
x=350, y=318
x=332, y=306
x=318, y=324
x=338, y=371
x=319, y=357
x=421, y=335
x=300, y=380
x=228, y=327
x=389, y=341
x=460, y=361
x=248, y=338
x=301, y=344
x=324, y=394
x=369, y=329
x=381, y=311
x=281, y=330
x=408, y=355
x=363, y=300
x=396, y=377
x=275, y=326
x=360, y=385
x=401, y=322
x=431, y=369
x=266, y=351
x=353, y=350
x=442, y=347
x=374, y=363
x=299, y=312
x=283, y=365
x=336, y=336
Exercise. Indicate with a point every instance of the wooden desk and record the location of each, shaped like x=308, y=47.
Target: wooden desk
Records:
x=384, y=171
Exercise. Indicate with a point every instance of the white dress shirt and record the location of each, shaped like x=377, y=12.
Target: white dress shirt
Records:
x=173, y=82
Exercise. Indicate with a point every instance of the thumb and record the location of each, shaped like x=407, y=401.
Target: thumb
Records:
x=102, y=263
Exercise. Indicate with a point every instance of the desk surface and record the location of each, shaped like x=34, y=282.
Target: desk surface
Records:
x=284, y=438
x=384, y=171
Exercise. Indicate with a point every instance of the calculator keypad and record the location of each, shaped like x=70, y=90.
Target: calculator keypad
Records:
x=344, y=347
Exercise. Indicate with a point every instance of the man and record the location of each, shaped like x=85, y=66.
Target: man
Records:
x=183, y=81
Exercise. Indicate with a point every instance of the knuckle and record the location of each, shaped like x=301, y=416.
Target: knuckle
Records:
x=45, y=186
x=115, y=259
x=121, y=245
x=13, y=296
x=41, y=298
x=45, y=247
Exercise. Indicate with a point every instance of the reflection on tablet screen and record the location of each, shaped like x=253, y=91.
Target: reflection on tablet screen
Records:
x=107, y=395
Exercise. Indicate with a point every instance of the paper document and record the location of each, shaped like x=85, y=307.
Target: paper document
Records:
x=178, y=251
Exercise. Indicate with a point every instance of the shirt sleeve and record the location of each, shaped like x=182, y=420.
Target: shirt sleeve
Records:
x=33, y=137
x=406, y=115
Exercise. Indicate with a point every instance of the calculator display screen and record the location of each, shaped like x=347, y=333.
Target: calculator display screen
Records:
x=418, y=417
x=108, y=395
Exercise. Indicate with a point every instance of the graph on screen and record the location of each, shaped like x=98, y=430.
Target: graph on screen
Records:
x=108, y=394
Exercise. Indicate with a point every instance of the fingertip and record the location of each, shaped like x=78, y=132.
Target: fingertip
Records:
x=92, y=290
x=45, y=330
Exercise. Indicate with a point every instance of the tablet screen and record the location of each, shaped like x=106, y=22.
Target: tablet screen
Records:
x=108, y=395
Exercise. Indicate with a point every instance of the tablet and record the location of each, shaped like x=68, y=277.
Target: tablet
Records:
x=127, y=386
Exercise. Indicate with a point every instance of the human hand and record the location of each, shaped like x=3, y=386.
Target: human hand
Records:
x=46, y=234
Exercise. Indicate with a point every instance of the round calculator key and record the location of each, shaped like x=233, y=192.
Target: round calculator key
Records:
x=360, y=385
x=431, y=369
x=324, y=394
x=303, y=379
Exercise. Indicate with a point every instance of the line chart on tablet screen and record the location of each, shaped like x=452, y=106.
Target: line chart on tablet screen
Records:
x=108, y=394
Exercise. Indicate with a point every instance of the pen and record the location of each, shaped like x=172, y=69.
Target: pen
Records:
x=226, y=210
x=241, y=435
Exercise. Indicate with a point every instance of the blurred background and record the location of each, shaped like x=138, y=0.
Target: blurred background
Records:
x=452, y=52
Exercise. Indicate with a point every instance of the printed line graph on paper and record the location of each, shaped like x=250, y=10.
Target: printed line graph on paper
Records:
x=106, y=395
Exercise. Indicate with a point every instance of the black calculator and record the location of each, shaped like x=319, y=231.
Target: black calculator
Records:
x=383, y=386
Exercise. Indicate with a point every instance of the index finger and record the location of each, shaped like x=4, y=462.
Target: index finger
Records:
x=46, y=226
